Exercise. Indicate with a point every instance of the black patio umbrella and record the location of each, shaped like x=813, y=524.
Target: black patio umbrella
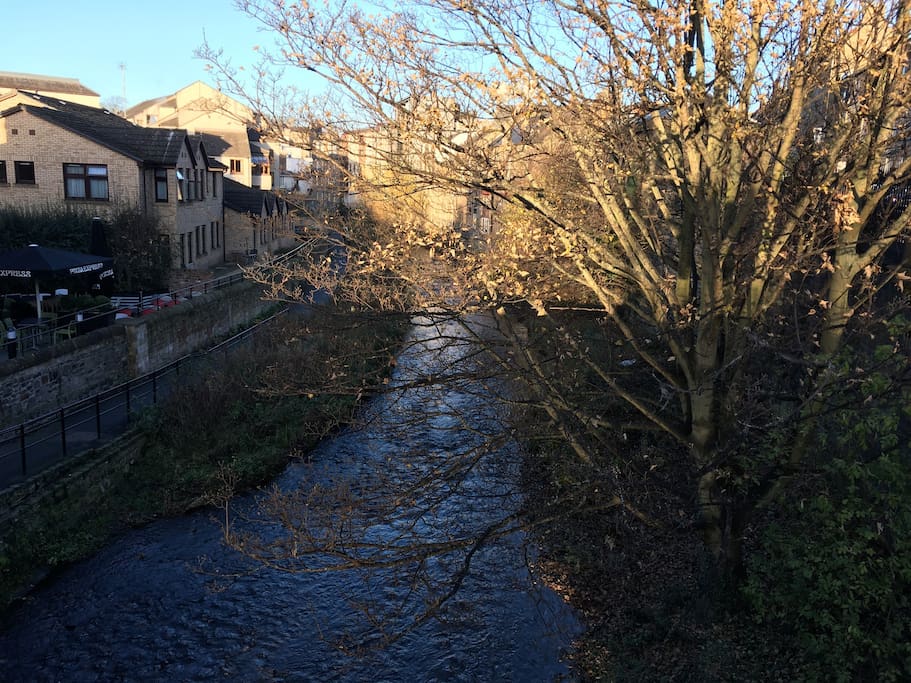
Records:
x=99, y=240
x=43, y=263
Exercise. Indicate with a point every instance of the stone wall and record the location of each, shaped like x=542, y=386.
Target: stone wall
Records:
x=36, y=383
x=171, y=333
x=87, y=474
x=40, y=382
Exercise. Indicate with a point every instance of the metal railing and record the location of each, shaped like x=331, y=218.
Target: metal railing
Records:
x=156, y=301
x=33, y=337
x=32, y=446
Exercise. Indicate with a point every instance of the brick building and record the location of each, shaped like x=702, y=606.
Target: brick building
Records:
x=59, y=153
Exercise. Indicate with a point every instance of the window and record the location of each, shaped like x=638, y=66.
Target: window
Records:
x=189, y=247
x=25, y=172
x=202, y=234
x=183, y=250
x=180, y=185
x=235, y=166
x=192, y=183
x=199, y=178
x=198, y=246
x=85, y=181
x=3, y=179
x=215, y=184
x=161, y=184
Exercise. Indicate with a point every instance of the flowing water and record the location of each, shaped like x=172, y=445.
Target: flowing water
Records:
x=171, y=602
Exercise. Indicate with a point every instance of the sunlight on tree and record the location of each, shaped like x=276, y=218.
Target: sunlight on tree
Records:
x=719, y=182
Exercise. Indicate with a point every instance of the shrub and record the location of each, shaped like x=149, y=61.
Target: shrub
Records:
x=63, y=228
x=834, y=567
x=142, y=256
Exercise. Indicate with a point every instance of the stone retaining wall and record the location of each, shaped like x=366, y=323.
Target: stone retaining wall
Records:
x=40, y=382
x=89, y=471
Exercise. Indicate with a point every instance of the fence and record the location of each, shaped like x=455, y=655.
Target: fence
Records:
x=30, y=447
x=136, y=304
x=50, y=329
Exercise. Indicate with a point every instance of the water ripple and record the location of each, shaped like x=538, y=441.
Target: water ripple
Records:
x=170, y=602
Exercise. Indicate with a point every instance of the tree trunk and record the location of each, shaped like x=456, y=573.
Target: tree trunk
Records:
x=711, y=519
x=839, y=310
x=704, y=433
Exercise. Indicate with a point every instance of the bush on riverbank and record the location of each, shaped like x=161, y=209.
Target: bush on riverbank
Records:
x=832, y=566
x=827, y=563
x=233, y=425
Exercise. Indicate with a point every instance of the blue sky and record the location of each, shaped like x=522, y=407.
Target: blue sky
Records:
x=155, y=40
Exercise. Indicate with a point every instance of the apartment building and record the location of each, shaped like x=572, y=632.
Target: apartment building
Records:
x=231, y=132
x=393, y=173
x=296, y=163
x=228, y=128
x=68, y=89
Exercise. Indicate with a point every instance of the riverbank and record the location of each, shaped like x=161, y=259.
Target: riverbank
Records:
x=231, y=428
x=645, y=586
x=620, y=542
x=821, y=592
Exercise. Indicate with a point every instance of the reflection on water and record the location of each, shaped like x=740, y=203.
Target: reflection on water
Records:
x=171, y=603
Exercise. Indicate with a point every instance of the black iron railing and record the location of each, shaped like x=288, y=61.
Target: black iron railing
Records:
x=32, y=446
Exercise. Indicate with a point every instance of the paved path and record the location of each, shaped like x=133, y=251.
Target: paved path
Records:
x=28, y=449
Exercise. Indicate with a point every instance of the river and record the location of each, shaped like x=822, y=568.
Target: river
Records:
x=430, y=460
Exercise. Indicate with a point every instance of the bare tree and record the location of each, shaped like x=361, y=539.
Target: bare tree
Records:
x=711, y=178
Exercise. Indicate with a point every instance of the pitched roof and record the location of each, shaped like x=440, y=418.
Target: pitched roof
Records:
x=37, y=82
x=154, y=146
x=243, y=199
x=139, y=108
x=212, y=163
x=227, y=144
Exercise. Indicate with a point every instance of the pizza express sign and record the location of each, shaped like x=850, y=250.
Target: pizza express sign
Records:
x=75, y=270
x=15, y=273
x=78, y=270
